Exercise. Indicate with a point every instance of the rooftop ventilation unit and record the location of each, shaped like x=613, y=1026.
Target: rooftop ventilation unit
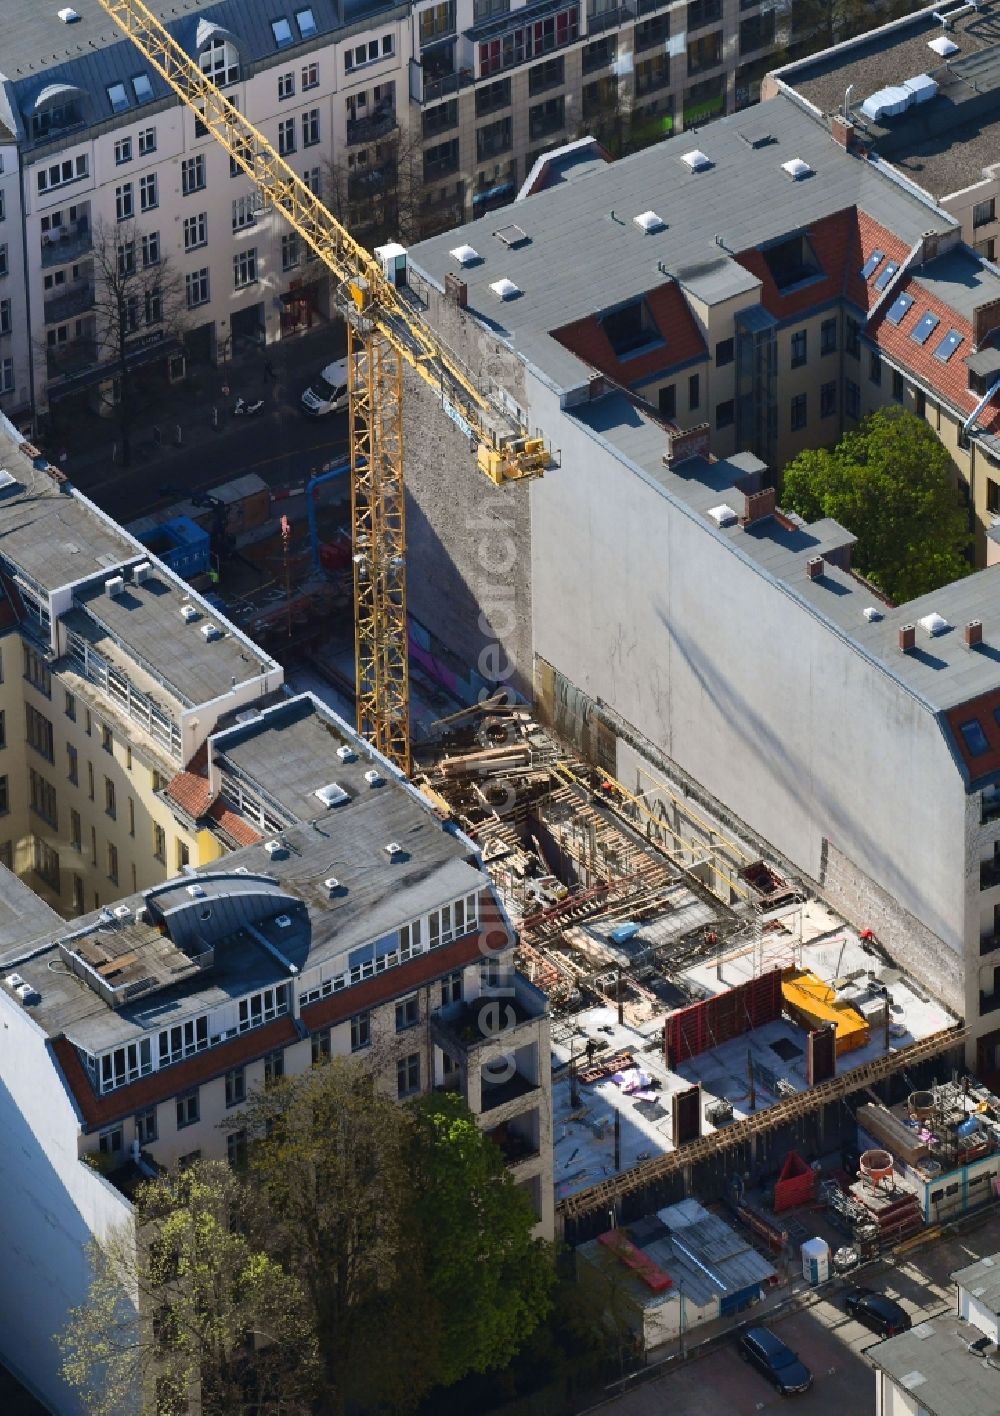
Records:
x=373, y=778
x=331, y=885
x=872, y=614
x=188, y=613
x=696, y=160
x=115, y=586
x=68, y=15
x=723, y=515
x=122, y=912
x=210, y=632
x=649, y=222
x=922, y=87
x=27, y=994
x=797, y=169
x=346, y=753
x=505, y=289
x=512, y=236
x=141, y=573
x=887, y=102
x=14, y=981
x=196, y=892
x=274, y=848
x=394, y=848
x=332, y=795
x=934, y=624
x=241, y=870
x=943, y=46
x=465, y=255
x=283, y=921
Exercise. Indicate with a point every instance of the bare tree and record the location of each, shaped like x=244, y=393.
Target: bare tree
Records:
x=138, y=297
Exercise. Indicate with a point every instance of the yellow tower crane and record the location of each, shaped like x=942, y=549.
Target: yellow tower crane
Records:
x=384, y=332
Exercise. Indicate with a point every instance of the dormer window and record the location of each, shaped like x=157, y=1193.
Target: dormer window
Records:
x=142, y=88
x=220, y=61
x=57, y=108
x=117, y=97
x=282, y=32
x=631, y=328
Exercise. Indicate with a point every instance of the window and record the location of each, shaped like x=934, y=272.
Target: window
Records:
x=320, y=1047
x=123, y=151
x=131, y=817
x=694, y=391
x=441, y=160
x=263, y=1007
x=984, y=212
x=245, y=268
x=494, y=138
x=193, y=174
x=142, y=89
x=70, y=706
x=107, y=739
x=436, y=20
x=150, y=249
x=236, y=1086
x=668, y=401
x=126, y=258
x=898, y=309
x=183, y=855
x=451, y=988
x=196, y=288
x=220, y=61
x=42, y=796
x=147, y=142
x=306, y=22
x=885, y=275
x=282, y=32
x=725, y=414
x=798, y=412
x=974, y=737
x=631, y=328
x=360, y=1031
x=274, y=1067
x=75, y=831
x=4, y=796
x=148, y=194
x=124, y=1064
x=313, y=178
x=545, y=118
x=799, y=348
x=948, y=345
x=5, y=317
x=440, y=118
x=117, y=97
x=4, y=263
x=111, y=1142
x=39, y=731
x=244, y=212
x=187, y=1110
x=310, y=77
x=145, y=1127
x=78, y=905
x=897, y=385
x=236, y=1149
x=852, y=400
x=159, y=843
x=46, y=863
x=286, y=86
x=408, y=1075
x=450, y=921
x=71, y=169
x=183, y=1040
x=90, y=783
x=7, y=374
x=371, y=52
x=407, y=1013
x=875, y=366
x=289, y=251
x=525, y=41
x=124, y=202
x=827, y=400
x=196, y=231
x=310, y=128
x=112, y=863
x=792, y=261
x=724, y=352
x=852, y=341
x=924, y=328
x=286, y=136
x=486, y=9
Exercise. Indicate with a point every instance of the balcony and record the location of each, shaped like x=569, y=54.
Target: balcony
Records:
x=989, y=873
x=370, y=130
x=461, y=1028
x=604, y=20
x=516, y=1149
x=67, y=243
x=73, y=302
x=70, y=358
x=495, y=1095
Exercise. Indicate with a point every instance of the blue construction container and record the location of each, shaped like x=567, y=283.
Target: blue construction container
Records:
x=181, y=544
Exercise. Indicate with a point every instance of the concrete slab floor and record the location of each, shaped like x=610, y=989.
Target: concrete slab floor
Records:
x=831, y=1344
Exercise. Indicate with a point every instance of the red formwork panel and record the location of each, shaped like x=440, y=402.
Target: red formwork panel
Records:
x=705, y=1025
x=796, y=1185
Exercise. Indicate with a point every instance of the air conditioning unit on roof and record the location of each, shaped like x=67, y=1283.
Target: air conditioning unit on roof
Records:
x=346, y=753
x=141, y=573
x=394, y=848
x=115, y=586
x=188, y=613
x=331, y=884
x=195, y=891
x=373, y=778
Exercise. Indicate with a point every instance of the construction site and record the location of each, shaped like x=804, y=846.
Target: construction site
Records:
x=718, y=1031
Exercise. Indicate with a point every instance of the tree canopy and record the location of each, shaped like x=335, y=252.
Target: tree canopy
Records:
x=891, y=483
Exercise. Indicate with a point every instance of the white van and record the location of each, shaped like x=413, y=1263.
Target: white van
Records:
x=328, y=393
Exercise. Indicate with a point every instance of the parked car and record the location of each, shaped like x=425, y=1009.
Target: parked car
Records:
x=778, y=1363
x=328, y=393
x=877, y=1312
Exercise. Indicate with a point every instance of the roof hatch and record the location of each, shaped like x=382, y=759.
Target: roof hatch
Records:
x=696, y=160
x=797, y=169
x=649, y=222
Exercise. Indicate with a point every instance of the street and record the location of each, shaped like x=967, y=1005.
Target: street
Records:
x=830, y=1343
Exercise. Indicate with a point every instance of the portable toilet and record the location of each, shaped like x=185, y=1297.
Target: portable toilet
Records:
x=815, y=1261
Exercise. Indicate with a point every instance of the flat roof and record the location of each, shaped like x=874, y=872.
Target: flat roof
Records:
x=937, y=1366
x=578, y=227
x=982, y=1281
x=940, y=669
x=24, y=916
x=945, y=143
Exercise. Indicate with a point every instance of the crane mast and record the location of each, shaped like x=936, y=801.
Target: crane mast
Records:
x=385, y=332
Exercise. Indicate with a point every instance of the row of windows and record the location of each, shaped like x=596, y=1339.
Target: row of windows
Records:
x=309, y=122
x=146, y=143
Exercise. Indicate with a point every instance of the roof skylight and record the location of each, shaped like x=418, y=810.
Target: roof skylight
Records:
x=884, y=276
x=924, y=328
x=797, y=169
x=142, y=88
x=282, y=32
x=117, y=97
x=306, y=21
x=505, y=289
x=975, y=739
x=872, y=264
x=465, y=255
x=649, y=222
x=898, y=309
x=696, y=160
x=948, y=345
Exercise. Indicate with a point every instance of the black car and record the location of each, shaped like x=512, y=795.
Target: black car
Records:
x=775, y=1361
x=877, y=1312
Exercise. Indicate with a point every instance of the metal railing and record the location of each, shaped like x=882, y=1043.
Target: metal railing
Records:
x=369, y=130
x=73, y=302
x=604, y=20
x=57, y=250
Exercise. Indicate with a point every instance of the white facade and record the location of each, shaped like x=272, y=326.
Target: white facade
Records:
x=14, y=343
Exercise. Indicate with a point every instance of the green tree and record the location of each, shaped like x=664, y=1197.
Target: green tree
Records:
x=891, y=483
x=181, y=1301
x=488, y=1278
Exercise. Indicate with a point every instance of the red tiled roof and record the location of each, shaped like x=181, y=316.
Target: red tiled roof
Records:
x=866, y=237
x=189, y=788
x=172, y=1081
x=383, y=987
x=682, y=340
x=234, y=826
x=951, y=380
x=983, y=710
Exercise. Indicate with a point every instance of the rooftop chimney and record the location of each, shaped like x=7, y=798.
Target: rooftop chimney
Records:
x=682, y=446
x=759, y=505
x=456, y=290
x=907, y=636
x=815, y=567
x=842, y=130
x=973, y=633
